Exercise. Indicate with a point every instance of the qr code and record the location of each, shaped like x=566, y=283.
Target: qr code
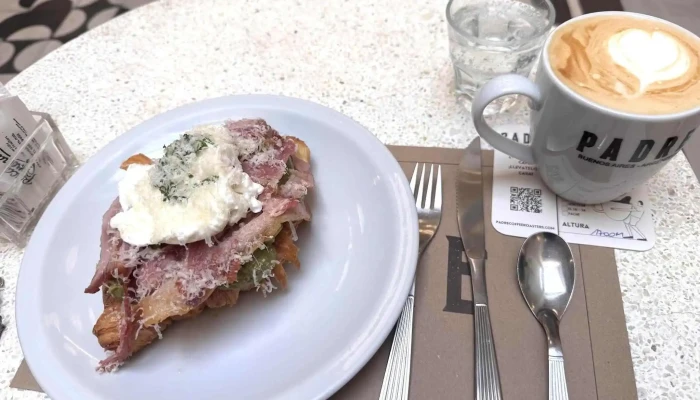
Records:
x=525, y=199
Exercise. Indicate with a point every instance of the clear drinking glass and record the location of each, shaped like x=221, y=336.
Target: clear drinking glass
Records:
x=495, y=37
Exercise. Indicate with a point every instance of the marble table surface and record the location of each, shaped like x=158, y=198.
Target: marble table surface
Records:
x=386, y=65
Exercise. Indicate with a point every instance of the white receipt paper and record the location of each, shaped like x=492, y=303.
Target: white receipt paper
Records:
x=523, y=205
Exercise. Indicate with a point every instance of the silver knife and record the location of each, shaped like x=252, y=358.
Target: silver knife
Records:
x=470, y=218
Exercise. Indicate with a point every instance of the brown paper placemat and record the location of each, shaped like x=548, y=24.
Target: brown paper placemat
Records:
x=593, y=331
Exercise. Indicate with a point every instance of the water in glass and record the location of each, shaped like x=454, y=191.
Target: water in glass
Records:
x=494, y=37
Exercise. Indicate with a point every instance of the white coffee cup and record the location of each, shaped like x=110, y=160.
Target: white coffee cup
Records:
x=585, y=151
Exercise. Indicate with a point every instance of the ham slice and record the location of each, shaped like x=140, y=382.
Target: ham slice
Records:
x=117, y=257
x=110, y=244
x=268, y=164
x=169, y=282
x=253, y=129
x=150, y=275
x=127, y=335
x=191, y=280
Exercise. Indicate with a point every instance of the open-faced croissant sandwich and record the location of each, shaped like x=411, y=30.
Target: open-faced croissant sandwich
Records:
x=214, y=216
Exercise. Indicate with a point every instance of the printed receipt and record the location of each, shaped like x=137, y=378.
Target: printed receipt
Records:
x=523, y=205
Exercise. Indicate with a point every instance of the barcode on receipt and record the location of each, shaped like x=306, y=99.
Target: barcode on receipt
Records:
x=525, y=199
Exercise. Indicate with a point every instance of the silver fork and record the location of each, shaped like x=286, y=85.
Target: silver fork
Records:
x=429, y=206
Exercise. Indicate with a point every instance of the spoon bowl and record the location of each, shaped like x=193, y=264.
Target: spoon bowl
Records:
x=546, y=275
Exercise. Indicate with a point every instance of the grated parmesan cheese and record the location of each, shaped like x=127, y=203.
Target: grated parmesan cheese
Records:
x=264, y=283
x=294, y=231
x=156, y=328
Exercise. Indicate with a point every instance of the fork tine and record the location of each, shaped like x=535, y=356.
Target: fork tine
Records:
x=420, y=195
x=429, y=189
x=438, y=189
x=414, y=181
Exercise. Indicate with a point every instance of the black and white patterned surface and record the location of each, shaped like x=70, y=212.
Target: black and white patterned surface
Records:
x=30, y=29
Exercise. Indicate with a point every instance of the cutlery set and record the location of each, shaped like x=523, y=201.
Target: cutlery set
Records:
x=545, y=273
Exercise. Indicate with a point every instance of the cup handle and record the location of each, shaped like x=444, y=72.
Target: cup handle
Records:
x=500, y=86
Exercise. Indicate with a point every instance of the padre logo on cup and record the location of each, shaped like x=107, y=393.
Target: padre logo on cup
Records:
x=608, y=155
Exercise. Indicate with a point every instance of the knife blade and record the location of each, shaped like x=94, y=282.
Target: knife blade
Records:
x=470, y=201
x=470, y=220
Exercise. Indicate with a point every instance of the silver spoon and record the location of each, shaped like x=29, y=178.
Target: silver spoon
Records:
x=546, y=275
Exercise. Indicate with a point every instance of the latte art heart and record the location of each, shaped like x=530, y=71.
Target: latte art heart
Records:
x=649, y=56
x=636, y=65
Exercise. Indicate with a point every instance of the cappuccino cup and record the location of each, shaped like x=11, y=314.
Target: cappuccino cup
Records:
x=615, y=97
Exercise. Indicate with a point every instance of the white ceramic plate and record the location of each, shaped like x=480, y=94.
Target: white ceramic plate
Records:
x=358, y=258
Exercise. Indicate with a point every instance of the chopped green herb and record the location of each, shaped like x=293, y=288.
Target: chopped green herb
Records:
x=171, y=174
x=201, y=144
x=253, y=272
x=115, y=289
x=210, y=179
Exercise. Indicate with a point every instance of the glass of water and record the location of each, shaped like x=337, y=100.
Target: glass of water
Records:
x=495, y=37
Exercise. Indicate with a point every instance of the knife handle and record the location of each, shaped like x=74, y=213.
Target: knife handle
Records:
x=488, y=383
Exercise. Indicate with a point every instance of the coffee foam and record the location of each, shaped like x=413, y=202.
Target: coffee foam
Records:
x=630, y=64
